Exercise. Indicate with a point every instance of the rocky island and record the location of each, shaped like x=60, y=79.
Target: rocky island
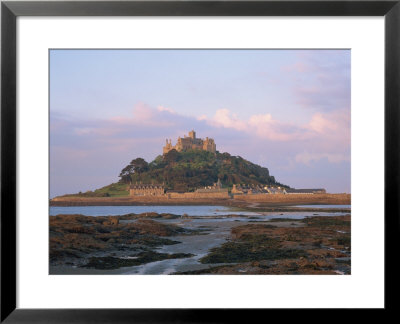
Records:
x=194, y=172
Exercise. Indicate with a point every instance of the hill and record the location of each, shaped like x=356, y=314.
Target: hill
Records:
x=187, y=171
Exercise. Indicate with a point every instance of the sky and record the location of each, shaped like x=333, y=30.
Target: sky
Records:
x=287, y=110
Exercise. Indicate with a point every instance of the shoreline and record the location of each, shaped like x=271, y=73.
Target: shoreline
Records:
x=244, y=201
x=159, y=244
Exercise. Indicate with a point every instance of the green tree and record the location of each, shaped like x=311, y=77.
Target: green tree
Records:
x=125, y=174
x=171, y=156
x=139, y=165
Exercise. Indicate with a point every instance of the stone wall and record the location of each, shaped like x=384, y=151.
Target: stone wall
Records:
x=196, y=195
x=343, y=199
x=137, y=200
x=191, y=198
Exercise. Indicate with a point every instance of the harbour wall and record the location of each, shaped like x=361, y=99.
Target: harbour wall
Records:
x=328, y=199
x=185, y=199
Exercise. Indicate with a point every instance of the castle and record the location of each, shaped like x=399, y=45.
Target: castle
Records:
x=191, y=143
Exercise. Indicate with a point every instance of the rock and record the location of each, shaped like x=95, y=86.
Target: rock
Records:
x=111, y=221
x=88, y=236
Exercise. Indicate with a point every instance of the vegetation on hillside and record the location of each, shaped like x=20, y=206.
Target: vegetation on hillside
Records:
x=187, y=171
x=118, y=189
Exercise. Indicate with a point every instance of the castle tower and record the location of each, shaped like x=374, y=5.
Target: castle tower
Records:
x=168, y=146
x=209, y=145
x=192, y=134
x=219, y=185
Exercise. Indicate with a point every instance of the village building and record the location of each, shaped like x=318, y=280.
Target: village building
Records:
x=251, y=189
x=209, y=192
x=217, y=187
x=237, y=190
x=276, y=190
x=146, y=189
x=190, y=143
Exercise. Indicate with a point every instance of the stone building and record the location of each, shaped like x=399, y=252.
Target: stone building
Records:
x=252, y=189
x=216, y=188
x=209, y=192
x=190, y=143
x=237, y=189
x=146, y=189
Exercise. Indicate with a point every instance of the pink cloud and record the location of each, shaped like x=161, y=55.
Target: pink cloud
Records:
x=266, y=127
x=143, y=114
x=262, y=125
x=334, y=126
x=326, y=135
x=320, y=124
x=170, y=110
x=225, y=118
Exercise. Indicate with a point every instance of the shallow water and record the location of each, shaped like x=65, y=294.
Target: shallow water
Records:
x=199, y=245
x=121, y=210
x=190, y=210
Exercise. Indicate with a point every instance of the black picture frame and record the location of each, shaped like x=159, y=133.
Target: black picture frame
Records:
x=10, y=10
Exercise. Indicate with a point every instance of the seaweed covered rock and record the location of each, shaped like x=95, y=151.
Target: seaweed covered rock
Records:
x=73, y=238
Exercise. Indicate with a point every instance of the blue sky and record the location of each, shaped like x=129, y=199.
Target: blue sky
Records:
x=288, y=110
